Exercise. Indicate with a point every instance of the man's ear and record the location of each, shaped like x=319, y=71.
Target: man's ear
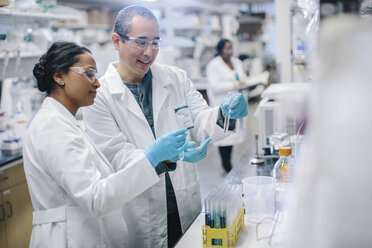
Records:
x=115, y=38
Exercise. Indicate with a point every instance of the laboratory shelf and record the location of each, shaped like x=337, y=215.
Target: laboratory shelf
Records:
x=9, y=15
x=84, y=26
x=24, y=68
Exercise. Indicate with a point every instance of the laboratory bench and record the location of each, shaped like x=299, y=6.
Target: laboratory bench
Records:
x=16, y=208
x=260, y=230
x=7, y=161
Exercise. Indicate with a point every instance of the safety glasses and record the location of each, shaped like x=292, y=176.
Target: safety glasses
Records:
x=141, y=43
x=90, y=73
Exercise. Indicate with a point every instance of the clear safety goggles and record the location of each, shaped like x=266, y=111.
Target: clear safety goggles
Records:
x=90, y=73
x=141, y=43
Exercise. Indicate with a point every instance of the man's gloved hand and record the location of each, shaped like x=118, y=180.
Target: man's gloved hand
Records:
x=196, y=154
x=237, y=104
x=165, y=147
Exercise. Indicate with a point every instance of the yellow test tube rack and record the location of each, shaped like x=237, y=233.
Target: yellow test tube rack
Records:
x=228, y=236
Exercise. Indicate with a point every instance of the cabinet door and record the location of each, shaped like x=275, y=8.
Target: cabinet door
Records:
x=18, y=211
x=3, y=239
x=12, y=176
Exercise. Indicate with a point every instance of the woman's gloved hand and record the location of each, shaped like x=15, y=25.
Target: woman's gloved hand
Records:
x=165, y=147
x=196, y=154
x=237, y=104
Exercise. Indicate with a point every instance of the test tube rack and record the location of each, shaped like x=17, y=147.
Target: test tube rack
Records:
x=226, y=237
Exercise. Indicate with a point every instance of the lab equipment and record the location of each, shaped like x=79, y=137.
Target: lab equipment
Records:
x=20, y=122
x=224, y=216
x=163, y=148
x=181, y=124
x=279, y=140
x=184, y=120
x=259, y=195
x=226, y=122
x=283, y=171
x=283, y=174
x=235, y=107
x=184, y=112
x=281, y=110
x=11, y=147
x=257, y=160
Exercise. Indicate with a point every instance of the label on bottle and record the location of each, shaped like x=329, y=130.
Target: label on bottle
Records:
x=285, y=171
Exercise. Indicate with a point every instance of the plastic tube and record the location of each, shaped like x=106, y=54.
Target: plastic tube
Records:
x=181, y=155
x=226, y=122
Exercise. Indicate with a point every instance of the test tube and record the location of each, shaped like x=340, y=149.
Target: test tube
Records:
x=207, y=212
x=181, y=124
x=226, y=122
x=223, y=212
x=217, y=216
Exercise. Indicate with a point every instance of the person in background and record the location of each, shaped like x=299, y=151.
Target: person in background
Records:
x=76, y=194
x=225, y=74
x=139, y=100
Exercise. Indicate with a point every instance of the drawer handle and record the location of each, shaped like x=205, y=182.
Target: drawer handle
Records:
x=3, y=210
x=10, y=209
x=4, y=179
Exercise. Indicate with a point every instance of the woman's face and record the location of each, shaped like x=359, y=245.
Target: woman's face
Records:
x=81, y=83
x=227, y=51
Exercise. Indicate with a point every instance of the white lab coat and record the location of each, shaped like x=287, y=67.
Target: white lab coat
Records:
x=117, y=124
x=222, y=80
x=75, y=192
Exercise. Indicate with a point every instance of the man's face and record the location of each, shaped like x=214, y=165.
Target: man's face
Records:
x=136, y=62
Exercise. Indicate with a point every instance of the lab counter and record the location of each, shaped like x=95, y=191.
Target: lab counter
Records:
x=7, y=161
x=255, y=234
x=257, y=228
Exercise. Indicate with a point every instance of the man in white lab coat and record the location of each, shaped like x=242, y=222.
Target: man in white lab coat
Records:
x=140, y=101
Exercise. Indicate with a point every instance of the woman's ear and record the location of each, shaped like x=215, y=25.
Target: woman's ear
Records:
x=58, y=77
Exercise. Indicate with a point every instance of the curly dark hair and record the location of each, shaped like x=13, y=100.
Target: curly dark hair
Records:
x=59, y=57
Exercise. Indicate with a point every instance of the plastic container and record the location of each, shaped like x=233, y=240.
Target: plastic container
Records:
x=20, y=121
x=11, y=147
x=283, y=171
x=259, y=195
x=223, y=237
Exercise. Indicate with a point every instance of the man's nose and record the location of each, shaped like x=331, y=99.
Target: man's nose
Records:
x=148, y=50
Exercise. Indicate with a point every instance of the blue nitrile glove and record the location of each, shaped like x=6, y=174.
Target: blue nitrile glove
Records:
x=196, y=154
x=165, y=147
x=237, y=104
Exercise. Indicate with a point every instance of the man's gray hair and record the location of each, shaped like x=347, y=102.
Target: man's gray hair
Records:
x=125, y=16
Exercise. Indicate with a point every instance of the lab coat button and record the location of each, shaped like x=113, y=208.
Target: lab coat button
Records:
x=163, y=235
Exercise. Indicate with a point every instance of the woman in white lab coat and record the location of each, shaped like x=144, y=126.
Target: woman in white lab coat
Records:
x=75, y=191
x=225, y=74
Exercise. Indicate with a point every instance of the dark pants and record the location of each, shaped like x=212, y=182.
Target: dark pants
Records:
x=174, y=229
x=173, y=218
x=225, y=153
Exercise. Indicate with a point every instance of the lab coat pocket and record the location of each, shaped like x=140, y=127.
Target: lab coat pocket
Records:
x=83, y=232
x=86, y=230
x=114, y=229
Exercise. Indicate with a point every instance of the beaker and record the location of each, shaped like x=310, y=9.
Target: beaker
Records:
x=259, y=194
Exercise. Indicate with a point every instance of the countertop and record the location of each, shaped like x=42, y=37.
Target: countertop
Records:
x=7, y=161
x=257, y=228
